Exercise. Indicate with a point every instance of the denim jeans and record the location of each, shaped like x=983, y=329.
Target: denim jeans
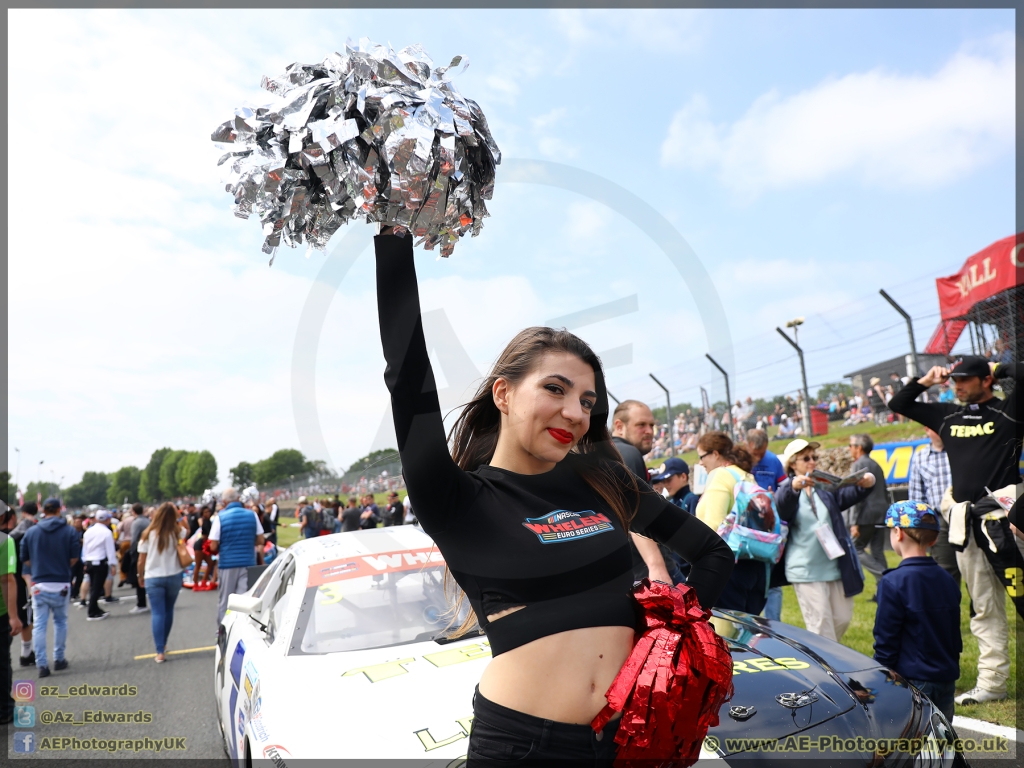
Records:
x=941, y=695
x=43, y=605
x=773, y=608
x=162, y=591
x=6, y=671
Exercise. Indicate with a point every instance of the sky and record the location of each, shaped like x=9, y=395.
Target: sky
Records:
x=803, y=159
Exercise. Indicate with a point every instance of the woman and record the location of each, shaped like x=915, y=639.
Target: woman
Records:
x=728, y=464
x=160, y=571
x=532, y=514
x=202, y=555
x=824, y=587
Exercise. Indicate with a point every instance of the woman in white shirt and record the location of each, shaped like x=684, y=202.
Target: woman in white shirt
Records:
x=160, y=572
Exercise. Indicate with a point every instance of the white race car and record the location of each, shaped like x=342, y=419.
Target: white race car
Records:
x=332, y=654
x=338, y=652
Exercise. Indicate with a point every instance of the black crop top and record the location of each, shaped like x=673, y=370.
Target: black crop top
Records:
x=547, y=542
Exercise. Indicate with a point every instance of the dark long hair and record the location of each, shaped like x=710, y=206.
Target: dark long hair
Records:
x=474, y=436
x=721, y=442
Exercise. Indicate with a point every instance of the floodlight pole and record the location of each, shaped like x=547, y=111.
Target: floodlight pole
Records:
x=668, y=412
x=728, y=395
x=805, y=411
x=910, y=329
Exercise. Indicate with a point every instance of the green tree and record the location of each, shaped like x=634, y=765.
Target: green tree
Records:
x=92, y=489
x=124, y=484
x=386, y=456
x=280, y=466
x=11, y=496
x=834, y=388
x=196, y=472
x=45, y=489
x=168, y=474
x=243, y=475
x=149, y=485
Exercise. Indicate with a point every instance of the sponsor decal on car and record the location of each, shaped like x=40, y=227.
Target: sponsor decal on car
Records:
x=565, y=525
x=388, y=669
x=430, y=742
x=369, y=565
x=767, y=665
x=276, y=754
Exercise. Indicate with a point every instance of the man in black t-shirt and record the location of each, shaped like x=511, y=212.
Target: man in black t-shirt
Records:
x=633, y=436
x=982, y=438
x=395, y=514
x=350, y=517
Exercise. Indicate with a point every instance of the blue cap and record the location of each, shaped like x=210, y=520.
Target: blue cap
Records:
x=908, y=514
x=671, y=467
x=51, y=503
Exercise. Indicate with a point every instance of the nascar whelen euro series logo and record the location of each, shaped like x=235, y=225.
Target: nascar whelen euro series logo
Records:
x=565, y=525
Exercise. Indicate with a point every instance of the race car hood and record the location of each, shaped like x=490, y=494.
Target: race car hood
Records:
x=409, y=701
x=772, y=659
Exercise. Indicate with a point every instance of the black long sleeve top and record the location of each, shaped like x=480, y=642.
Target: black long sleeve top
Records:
x=983, y=440
x=547, y=542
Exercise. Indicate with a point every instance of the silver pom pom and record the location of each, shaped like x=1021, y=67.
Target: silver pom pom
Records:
x=369, y=133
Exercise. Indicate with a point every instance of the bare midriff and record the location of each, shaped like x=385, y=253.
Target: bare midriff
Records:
x=561, y=677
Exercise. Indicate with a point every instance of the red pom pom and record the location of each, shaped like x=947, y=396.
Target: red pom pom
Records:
x=673, y=683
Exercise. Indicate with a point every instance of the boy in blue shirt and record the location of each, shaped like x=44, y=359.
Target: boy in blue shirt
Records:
x=917, y=625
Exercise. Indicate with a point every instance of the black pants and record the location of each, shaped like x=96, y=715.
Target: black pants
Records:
x=747, y=588
x=133, y=578
x=97, y=576
x=6, y=671
x=502, y=736
x=77, y=575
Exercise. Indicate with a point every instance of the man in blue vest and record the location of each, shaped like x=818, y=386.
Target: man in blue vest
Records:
x=234, y=535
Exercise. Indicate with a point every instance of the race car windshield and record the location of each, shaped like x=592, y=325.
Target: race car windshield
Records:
x=372, y=612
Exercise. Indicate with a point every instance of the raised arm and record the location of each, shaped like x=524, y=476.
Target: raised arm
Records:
x=436, y=485
x=905, y=402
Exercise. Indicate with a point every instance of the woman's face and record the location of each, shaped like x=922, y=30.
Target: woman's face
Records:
x=804, y=462
x=710, y=460
x=549, y=410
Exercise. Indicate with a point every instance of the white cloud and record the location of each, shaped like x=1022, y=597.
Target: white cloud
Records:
x=884, y=128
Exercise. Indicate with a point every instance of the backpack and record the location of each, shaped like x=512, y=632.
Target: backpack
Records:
x=753, y=529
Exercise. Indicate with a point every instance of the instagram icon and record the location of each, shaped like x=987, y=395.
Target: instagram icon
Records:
x=24, y=690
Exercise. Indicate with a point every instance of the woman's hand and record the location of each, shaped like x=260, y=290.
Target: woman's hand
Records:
x=868, y=481
x=802, y=481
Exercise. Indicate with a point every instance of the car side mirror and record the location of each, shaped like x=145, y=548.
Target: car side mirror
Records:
x=245, y=604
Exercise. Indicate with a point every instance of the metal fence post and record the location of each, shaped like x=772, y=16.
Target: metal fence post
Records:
x=728, y=396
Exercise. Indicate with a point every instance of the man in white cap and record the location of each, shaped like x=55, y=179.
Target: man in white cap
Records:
x=99, y=556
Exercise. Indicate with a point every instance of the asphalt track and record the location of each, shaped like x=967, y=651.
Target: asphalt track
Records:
x=176, y=696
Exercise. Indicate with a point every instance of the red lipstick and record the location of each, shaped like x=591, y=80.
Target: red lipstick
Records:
x=560, y=435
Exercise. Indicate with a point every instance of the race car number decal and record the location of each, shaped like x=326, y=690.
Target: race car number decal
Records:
x=368, y=565
x=767, y=665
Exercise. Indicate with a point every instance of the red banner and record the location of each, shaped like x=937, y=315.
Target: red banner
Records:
x=986, y=273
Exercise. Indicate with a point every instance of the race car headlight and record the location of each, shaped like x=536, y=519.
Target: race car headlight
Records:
x=938, y=749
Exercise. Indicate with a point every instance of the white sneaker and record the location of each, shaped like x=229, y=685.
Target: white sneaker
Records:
x=97, y=618
x=977, y=695
x=137, y=609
